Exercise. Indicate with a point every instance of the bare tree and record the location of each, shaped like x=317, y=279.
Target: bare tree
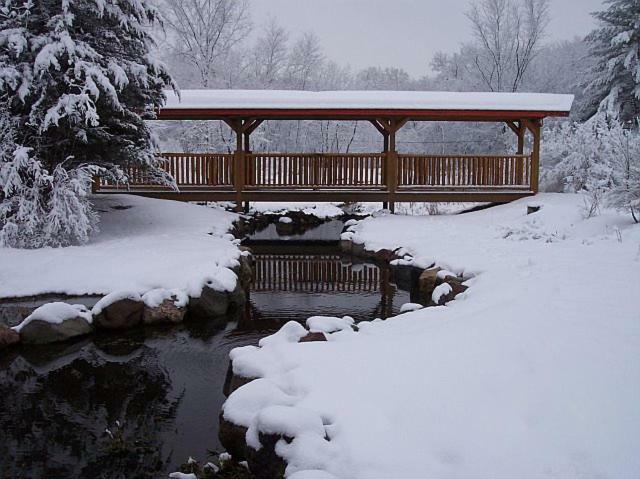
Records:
x=509, y=33
x=269, y=55
x=204, y=31
x=305, y=61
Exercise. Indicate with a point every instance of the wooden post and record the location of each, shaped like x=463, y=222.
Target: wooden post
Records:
x=95, y=184
x=535, y=127
x=535, y=157
x=248, y=170
x=238, y=160
x=521, y=132
x=392, y=170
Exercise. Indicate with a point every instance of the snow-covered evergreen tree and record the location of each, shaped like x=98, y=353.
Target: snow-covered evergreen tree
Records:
x=615, y=87
x=77, y=82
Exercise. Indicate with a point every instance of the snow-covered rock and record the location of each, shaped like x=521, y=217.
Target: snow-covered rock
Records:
x=408, y=307
x=119, y=310
x=54, y=322
x=328, y=324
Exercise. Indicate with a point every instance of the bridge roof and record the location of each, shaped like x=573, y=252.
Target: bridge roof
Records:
x=364, y=105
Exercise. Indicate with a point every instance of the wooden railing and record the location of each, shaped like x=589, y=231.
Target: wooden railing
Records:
x=469, y=171
x=351, y=171
x=376, y=172
x=198, y=170
x=312, y=274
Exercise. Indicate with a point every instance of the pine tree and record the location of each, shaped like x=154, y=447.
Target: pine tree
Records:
x=615, y=88
x=77, y=82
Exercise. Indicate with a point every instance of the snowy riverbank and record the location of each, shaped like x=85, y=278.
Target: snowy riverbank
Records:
x=142, y=244
x=532, y=373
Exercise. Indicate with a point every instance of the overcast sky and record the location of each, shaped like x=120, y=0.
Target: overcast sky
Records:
x=403, y=33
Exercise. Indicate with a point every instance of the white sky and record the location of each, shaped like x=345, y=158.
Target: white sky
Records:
x=402, y=33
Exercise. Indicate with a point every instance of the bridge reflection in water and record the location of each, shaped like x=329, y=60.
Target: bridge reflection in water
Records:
x=313, y=280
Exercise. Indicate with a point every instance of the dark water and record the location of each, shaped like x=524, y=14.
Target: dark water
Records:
x=163, y=386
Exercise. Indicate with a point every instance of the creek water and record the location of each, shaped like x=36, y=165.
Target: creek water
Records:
x=159, y=390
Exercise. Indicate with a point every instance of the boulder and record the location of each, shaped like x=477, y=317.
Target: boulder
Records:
x=384, y=255
x=120, y=314
x=233, y=438
x=211, y=303
x=427, y=284
x=43, y=332
x=55, y=322
x=313, y=338
x=245, y=271
x=165, y=312
x=233, y=381
x=265, y=463
x=8, y=337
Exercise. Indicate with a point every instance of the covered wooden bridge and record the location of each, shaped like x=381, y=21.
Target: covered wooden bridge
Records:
x=387, y=176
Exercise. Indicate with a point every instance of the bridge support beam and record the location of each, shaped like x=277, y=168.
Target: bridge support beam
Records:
x=388, y=129
x=242, y=130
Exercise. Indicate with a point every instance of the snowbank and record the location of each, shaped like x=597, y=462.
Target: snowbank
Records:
x=533, y=374
x=143, y=244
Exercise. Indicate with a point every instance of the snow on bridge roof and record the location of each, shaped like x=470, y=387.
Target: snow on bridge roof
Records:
x=273, y=103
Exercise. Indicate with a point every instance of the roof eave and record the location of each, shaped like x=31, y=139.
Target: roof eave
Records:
x=354, y=114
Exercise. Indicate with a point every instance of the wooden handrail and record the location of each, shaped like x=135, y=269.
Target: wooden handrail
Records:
x=389, y=172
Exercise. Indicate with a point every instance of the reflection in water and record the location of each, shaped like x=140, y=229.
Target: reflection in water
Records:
x=164, y=386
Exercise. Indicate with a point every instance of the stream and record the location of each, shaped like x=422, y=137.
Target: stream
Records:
x=159, y=390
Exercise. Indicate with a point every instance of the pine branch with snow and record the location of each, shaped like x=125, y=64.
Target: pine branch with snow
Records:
x=79, y=82
x=615, y=87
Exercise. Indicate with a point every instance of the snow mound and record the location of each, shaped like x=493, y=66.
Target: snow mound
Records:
x=287, y=421
x=56, y=313
x=156, y=297
x=285, y=220
x=329, y=324
x=291, y=332
x=408, y=307
x=243, y=405
x=312, y=474
x=220, y=279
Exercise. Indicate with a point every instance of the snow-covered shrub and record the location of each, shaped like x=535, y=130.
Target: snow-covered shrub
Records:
x=77, y=82
x=41, y=209
x=600, y=158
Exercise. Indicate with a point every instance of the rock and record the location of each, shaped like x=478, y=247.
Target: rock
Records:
x=426, y=284
x=531, y=209
x=456, y=287
x=233, y=438
x=233, y=381
x=313, y=337
x=8, y=337
x=165, y=312
x=211, y=303
x=358, y=249
x=384, y=255
x=265, y=463
x=43, y=332
x=346, y=246
x=245, y=271
x=121, y=314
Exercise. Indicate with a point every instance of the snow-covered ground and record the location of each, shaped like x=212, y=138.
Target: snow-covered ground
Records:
x=143, y=244
x=533, y=373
